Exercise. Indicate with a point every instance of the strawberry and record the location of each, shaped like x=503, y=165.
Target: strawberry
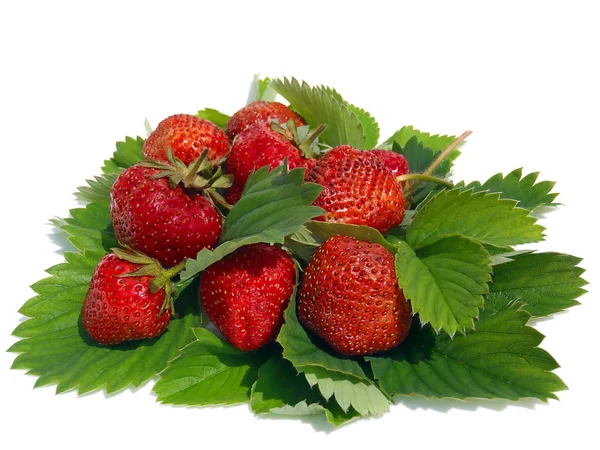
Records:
x=166, y=218
x=357, y=189
x=267, y=144
x=260, y=111
x=122, y=303
x=188, y=136
x=350, y=297
x=246, y=293
x=395, y=162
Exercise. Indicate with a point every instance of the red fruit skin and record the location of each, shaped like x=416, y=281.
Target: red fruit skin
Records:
x=357, y=189
x=258, y=146
x=245, y=294
x=350, y=297
x=188, y=136
x=395, y=162
x=260, y=111
x=166, y=224
x=118, y=309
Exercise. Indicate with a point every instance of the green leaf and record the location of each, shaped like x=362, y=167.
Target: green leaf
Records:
x=342, y=378
x=346, y=124
x=280, y=389
x=55, y=346
x=525, y=190
x=546, y=282
x=273, y=205
x=419, y=158
x=265, y=92
x=207, y=257
x=435, y=142
x=128, y=153
x=97, y=190
x=445, y=281
x=364, y=398
x=501, y=359
x=208, y=371
x=217, y=117
x=480, y=216
x=57, y=349
x=305, y=241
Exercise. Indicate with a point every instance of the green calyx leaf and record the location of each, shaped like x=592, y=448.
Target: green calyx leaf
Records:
x=528, y=194
x=307, y=143
x=500, y=359
x=199, y=175
x=347, y=124
x=445, y=281
x=480, y=216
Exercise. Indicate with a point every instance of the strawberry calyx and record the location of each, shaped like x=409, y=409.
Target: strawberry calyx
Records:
x=306, y=143
x=199, y=175
x=161, y=277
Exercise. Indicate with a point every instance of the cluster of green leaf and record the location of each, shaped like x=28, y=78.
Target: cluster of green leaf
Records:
x=54, y=345
x=472, y=295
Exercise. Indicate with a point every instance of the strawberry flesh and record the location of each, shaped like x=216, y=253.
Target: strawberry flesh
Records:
x=350, y=297
x=260, y=111
x=395, y=162
x=245, y=294
x=118, y=308
x=167, y=224
x=188, y=136
x=357, y=189
x=256, y=147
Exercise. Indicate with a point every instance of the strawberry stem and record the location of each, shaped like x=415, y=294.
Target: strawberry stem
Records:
x=446, y=152
x=218, y=198
x=435, y=164
x=423, y=177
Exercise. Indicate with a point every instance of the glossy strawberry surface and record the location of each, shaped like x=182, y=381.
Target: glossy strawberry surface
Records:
x=395, y=162
x=119, y=308
x=350, y=297
x=188, y=136
x=167, y=224
x=256, y=147
x=357, y=189
x=246, y=293
x=260, y=111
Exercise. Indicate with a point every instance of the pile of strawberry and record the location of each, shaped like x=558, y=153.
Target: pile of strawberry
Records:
x=284, y=257
x=165, y=209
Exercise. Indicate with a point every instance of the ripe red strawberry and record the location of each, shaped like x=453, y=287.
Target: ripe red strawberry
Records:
x=350, y=297
x=188, y=136
x=357, y=189
x=164, y=222
x=395, y=162
x=266, y=144
x=246, y=293
x=260, y=111
x=119, y=307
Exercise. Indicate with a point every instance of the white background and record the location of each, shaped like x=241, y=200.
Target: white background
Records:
x=76, y=77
